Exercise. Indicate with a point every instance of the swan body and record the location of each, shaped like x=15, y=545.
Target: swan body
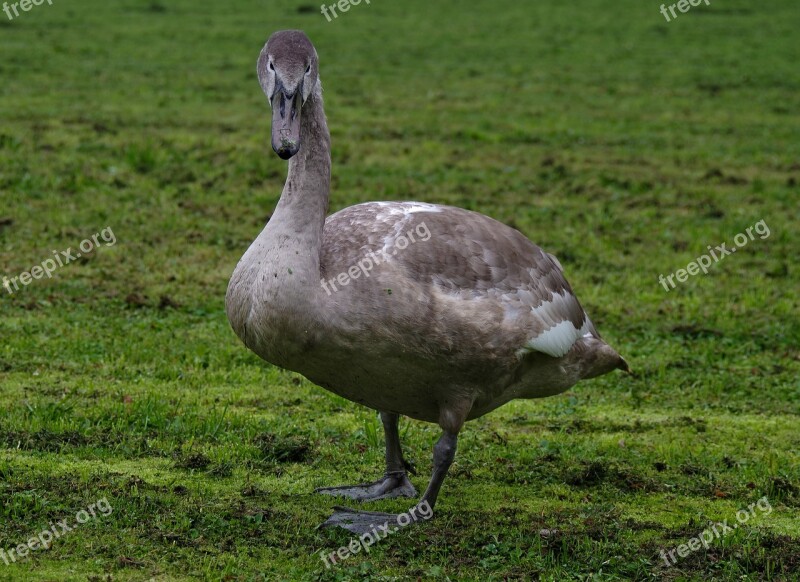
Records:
x=429, y=311
x=476, y=306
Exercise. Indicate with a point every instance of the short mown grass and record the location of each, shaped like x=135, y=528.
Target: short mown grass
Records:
x=623, y=144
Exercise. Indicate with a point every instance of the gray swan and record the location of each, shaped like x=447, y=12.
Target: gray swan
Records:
x=433, y=312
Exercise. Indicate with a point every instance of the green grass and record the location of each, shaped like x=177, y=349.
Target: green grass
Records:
x=621, y=143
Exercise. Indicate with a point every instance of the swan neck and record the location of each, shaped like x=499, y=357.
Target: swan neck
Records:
x=299, y=217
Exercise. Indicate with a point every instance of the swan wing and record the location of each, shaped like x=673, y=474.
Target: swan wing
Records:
x=469, y=258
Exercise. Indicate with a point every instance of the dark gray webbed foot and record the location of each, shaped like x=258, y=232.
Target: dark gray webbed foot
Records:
x=388, y=487
x=376, y=523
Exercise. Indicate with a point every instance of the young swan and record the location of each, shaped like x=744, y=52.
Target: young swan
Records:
x=409, y=308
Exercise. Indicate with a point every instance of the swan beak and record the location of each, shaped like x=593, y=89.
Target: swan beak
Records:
x=286, y=123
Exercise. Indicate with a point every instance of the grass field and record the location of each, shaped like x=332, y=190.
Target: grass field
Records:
x=619, y=142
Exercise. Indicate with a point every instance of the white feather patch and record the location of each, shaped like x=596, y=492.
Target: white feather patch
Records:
x=419, y=207
x=556, y=310
x=557, y=340
x=560, y=334
x=404, y=208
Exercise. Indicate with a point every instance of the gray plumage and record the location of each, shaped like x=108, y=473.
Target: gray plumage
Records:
x=444, y=328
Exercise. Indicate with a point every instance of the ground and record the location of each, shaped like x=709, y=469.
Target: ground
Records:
x=620, y=142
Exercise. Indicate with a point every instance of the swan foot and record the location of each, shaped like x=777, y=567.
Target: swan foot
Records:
x=390, y=486
x=374, y=523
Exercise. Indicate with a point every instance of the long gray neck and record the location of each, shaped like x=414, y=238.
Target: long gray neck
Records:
x=274, y=290
x=294, y=233
x=280, y=270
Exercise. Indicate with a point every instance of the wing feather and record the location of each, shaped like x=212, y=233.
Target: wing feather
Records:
x=467, y=256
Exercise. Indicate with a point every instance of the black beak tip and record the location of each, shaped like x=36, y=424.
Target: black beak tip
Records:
x=286, y=152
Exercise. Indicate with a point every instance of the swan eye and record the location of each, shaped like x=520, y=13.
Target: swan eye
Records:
x=271, y=67
x=308, y=69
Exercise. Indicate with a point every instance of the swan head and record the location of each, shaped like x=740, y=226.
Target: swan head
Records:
x=288, y=73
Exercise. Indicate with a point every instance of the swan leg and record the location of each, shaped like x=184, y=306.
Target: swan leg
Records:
x=444, y=452
x=394, y=483
x=380, y=525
